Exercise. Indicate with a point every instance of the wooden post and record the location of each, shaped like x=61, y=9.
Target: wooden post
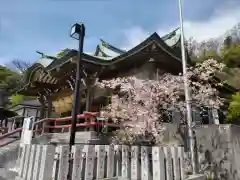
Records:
x=42, y=110
x=42, y=107
x=89, y=97
x=49, y=109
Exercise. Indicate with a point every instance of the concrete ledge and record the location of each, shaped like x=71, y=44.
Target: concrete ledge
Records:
x=197, y=177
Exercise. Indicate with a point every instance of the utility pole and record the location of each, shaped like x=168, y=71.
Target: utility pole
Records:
x=191, y=135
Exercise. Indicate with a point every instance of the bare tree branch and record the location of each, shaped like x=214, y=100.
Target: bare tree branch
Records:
x=20, y=65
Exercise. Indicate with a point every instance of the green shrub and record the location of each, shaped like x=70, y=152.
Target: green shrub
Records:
x=234, y=107
x=231, y=56
x=18, y=98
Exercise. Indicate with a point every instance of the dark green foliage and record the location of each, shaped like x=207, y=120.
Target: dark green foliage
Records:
x=11, y=80
x=230, y=76
x=8, y=78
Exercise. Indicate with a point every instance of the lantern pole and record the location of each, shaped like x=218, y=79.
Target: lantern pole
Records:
x=79, y=30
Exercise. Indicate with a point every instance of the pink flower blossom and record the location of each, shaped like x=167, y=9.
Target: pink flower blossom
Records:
x=137, y=104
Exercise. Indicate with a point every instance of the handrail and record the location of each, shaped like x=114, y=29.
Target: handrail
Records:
x=86, y=124
x=10, y=133
x=85, y=115
x=8, y=142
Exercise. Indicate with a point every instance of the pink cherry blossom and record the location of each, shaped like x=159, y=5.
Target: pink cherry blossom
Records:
x=137, y=103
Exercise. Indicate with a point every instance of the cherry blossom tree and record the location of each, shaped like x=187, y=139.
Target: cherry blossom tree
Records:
x=138, y=104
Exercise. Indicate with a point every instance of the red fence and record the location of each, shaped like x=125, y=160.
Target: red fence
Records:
x=40, y=127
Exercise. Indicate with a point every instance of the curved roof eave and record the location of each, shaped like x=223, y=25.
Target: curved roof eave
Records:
x=31, y=70
x=42, y=63
x=153, y=38
x=104, y=61
x=108, y=52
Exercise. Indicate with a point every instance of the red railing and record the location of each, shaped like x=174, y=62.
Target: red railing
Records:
x=90, y=121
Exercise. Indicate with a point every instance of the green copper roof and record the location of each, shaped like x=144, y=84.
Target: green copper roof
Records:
x=107, y=55
x=111, y=47
x=172, y=40
x=100, y=57
x=45, y=62
x=105, y=49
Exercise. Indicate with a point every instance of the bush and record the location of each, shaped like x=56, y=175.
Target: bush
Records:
x=234, y=108
x=18, y=98
x=231, y=56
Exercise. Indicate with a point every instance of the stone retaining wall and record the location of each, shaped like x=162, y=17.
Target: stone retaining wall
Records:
x=218, y=150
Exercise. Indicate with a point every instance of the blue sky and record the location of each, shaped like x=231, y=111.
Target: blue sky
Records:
x=44, y=25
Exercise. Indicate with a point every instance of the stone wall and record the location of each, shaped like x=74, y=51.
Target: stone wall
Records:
x=218, y=151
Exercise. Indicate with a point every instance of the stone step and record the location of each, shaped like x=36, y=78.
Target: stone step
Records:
x=9, y=152
x=81, y=137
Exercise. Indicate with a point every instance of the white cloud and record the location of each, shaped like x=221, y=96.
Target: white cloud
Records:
x=215, y=26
